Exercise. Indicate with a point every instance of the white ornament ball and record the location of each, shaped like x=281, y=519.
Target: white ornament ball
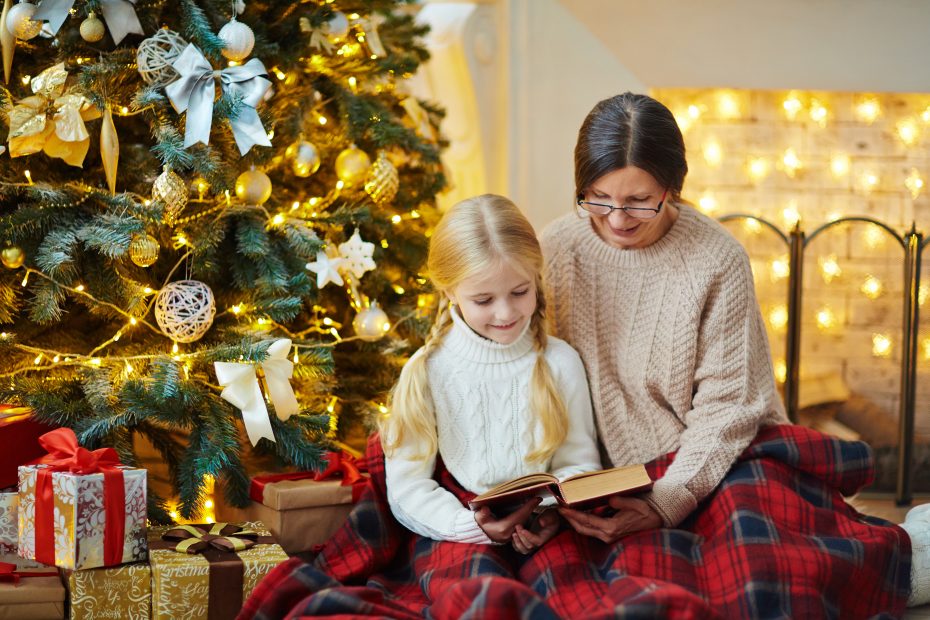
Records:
x=238, y=40
x=337, y=27
x=92, y=29
x=305, y=159
x=253, y=187
x=156, y=55
x=184, y=310
x=372, y=323
x=20, y=23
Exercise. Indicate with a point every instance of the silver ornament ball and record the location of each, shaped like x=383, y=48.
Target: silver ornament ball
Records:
x=371, y=323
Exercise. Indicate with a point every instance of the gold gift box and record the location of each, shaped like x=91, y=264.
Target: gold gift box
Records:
x=114, y=592
x=80, y=516
x=9, y=528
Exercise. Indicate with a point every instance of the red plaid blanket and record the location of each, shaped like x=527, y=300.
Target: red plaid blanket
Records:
x=775, y=540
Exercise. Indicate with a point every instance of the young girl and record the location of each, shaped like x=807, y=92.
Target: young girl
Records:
x=489, y=391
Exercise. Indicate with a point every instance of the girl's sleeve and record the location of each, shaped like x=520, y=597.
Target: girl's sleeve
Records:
x=578, y=453
x=421, y=505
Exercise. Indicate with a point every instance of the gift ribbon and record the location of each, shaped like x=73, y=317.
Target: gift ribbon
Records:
x=337, y=463
x=8, y=573
x=194, y=92
x=242, y=390
x=192, y=539
x=65, y=455
x=120, y=16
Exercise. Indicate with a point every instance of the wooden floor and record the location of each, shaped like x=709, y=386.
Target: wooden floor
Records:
x=885, y=508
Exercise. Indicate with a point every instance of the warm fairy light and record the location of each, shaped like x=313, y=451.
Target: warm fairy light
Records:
x=826, y=319
x=129, y=369
x=327, y=321
x=752, y=226
x=781, y=370
x=335, y=333
x=778, y=317
x=95, y=361
x=790, y=214
x=236, y=309
x=819, y=113
x=922, y=293
x=132, y=320
x=124, y=110
x=925, y=115
x=780, y=268
x=829, y=268
x=384, y=243
x=210, y=519
x=839, y=164
x=914, y=183
x=278, y=219
x=4, y=335
x=908, y=131
x=415, y=214
x=79, y=288
x=26, y=80
x=353, y=16
x=148, y=290
x=340, y=184
x=694, y=111
x=208, y=504
x=684, y=122
x=383, y=409
x=180, y=240
x=398, y=289
x=117, y=336
x=174, y=515
x=261, y=320
x=757, y=168
x=28, y=176
x=295, y=205
x=713, y=153
x=868, y=110
x=874, y=237
x=832, y=216
x=791, y=162
x=279, y=74
x=868, y=180
x=728, y=105
x=925, y=345
x=353, y=83
x=881, y=345
x=792, y=105
x=707, y=203
x=38, y=359
x=57, y=359
x=395, y=219
x=321, y=119
x=174, y=347
x=331, y=407
x=25, y=279
x=872, y=287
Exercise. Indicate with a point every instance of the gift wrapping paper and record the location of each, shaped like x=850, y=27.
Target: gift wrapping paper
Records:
x=37, y=597
x=114, y=592
x=181, y=582
x=79, y=517
x=20, y=441
x=9, y=525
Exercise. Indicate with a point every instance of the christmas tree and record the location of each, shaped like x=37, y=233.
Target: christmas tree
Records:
x=197, y=195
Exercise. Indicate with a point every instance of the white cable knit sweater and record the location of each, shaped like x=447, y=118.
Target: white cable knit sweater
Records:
x=480, y=395
x=673, y=341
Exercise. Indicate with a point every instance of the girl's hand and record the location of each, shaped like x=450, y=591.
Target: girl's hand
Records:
x=633, y=515
x=501, y=530
x=543, y=528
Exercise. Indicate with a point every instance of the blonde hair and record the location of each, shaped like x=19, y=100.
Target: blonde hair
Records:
x=476, y=236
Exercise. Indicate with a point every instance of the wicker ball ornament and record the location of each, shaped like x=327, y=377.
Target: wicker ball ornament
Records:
x=20, y=23
x=352, y=165
x=143, y=250
x=253, y=187
x=170, y=189
x=238, y=40
x=383, y=180
x=156, y=55
x=305, y=158
x=184, y=310
x=92, y=29
x=371, y=323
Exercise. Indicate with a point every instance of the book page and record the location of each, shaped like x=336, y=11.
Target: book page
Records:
x=528, y=480
x=591, y=485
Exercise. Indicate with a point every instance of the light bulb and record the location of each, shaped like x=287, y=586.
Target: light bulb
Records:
x=881, y=345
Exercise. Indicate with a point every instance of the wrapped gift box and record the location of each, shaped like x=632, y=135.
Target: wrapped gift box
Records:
x=211, y=584
x=20, y=441
x=28, y=592
x=117, y=592
x=9, y=528
x=80, y=517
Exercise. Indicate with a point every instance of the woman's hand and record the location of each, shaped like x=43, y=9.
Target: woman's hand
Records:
x=546, y=525
x=633, y=515
x=501, y=530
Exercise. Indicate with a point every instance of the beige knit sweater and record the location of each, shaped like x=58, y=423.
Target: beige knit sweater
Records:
x=673, y=343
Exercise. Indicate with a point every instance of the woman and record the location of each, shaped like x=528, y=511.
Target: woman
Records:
x=659, y=301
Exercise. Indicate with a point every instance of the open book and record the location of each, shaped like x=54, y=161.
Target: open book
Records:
x=578, y=491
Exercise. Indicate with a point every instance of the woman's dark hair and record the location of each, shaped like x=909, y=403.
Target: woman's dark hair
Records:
x=630, y=130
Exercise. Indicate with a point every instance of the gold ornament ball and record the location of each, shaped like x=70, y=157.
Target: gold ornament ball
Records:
x=305, y=159
x=92, y=29
x=170, y=189
x=143, y=249
x=253, y=187
x=19, y=21
x=12, y=257
x=383, y=180
x=352, y=165
x=371, y=323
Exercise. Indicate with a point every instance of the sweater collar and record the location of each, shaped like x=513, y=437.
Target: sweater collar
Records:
x=465, y=343
x=650, y=255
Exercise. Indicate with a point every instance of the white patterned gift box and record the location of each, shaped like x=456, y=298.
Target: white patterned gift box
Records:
x=79, y=517
x=9, y=529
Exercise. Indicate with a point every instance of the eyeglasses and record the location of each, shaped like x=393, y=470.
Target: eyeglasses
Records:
x=640, y=213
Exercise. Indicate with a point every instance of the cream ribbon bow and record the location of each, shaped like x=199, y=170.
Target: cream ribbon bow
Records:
x=120, y=16
x=194, y=92
x=242, y=389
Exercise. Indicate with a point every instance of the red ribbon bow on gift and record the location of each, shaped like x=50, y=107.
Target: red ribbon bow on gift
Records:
x=8, y=572
x=337, y=463
x=66, y=455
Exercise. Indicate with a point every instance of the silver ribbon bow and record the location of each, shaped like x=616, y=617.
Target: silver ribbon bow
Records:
x=242, y=389
x=195, y=91
x=120, y=16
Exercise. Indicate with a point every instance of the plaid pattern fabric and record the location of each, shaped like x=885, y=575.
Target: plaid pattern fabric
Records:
x=775, y=540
